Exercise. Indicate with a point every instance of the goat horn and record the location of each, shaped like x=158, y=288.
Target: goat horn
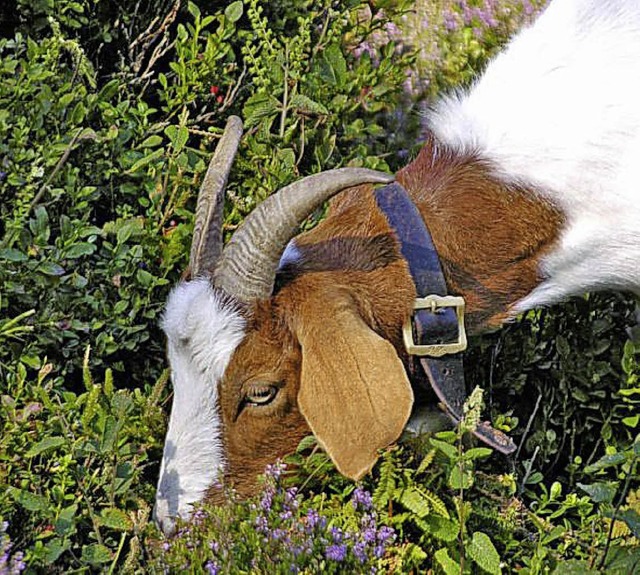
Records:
x=248, y=265
x=206, y=245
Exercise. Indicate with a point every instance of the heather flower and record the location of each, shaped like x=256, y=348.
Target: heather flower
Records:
x=9, y=565
x=386, y=534
x=336, y=552
x=361, y=499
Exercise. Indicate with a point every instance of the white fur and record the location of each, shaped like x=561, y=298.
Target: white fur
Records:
x=560, y=110
x=202, y=334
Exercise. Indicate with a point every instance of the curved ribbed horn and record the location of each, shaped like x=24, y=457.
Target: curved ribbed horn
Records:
x=206, y=245
x=248, y=265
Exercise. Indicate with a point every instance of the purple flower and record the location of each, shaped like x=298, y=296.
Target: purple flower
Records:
x=212, y=568
x=266, y=501
x=166, y=546
x=286, y=515
x=359, y=550
x=9, y=565
x=369, y=534
x=361, y=498
x=336, y=552
x=274, y=471
x=314, y=520
x=379, y=551
x=336, y=534
x=261, y=523
x=385, y=534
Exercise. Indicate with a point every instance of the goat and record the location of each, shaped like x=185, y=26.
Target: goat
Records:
x=528, y=183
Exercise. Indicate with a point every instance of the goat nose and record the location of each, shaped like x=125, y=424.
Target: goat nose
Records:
x=161, y=516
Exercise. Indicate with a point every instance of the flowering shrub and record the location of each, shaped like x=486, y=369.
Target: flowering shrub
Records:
x=10, y=564
x=281, y=532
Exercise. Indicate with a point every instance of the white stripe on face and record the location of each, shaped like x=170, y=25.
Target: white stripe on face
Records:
x=202, y=332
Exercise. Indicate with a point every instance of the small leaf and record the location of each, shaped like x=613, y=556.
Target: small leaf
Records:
x=606, y=461
x=46, y=444
x=65, y=522
x=439, y=527
x=51, y=269
x=96, y=554
x=632, y=518
x=483, y=552
x=460, y=478
x=13, y=255
x=233, y=12
x=178, y=136
x=152, y=141
x=30, y=501
x=306, y=105
x=115, y=519
x=574, y=567
x=602, y=491
x=449, y=450
x=477, y=453
x=449, y=566
x=258, y=107
x=80, y=249
x=144, y=161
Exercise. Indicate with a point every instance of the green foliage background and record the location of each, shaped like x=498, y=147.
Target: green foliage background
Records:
x=108, y=116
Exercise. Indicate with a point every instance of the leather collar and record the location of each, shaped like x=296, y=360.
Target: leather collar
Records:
x=436, y=327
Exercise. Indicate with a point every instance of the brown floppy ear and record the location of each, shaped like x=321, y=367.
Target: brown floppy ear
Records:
x=354, y=392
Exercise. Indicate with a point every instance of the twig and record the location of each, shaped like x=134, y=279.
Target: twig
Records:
x=529, y=468
x=529, y=424
x=81, y=134
x=621, y=500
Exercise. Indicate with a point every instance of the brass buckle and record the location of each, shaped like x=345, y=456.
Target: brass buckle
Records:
x=434, y=302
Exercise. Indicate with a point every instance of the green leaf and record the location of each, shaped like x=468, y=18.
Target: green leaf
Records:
x=53, y=549
x=605, y=462
x=96, y=554
x=306, y=105
x=46, y=444
x=483, y=552
x=179, y=135
x=449, y=450
x=574, y=567
x=602, y=491
x=477, y=453
x=439, y=527
x=258, y=107
x=449, y=566
x=80, y=249
x=461, y=477
x=13, y=255
x=65, y=523
x=51, y=269
x=144, y=161
x=422, y=502
x=632, y=518
x=152, y=141
x=234, y=11
x=115, y=519
x=30, y=501
x=144, y=278
x=193, y=10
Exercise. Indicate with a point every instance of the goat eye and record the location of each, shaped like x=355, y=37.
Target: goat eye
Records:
x=261, y=394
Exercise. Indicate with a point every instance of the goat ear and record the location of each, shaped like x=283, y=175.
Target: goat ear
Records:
x=354, y=392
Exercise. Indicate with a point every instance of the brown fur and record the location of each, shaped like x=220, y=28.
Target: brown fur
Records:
x=490, y=237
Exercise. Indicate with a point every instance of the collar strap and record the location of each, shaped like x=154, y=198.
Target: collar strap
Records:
x=436, y=328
